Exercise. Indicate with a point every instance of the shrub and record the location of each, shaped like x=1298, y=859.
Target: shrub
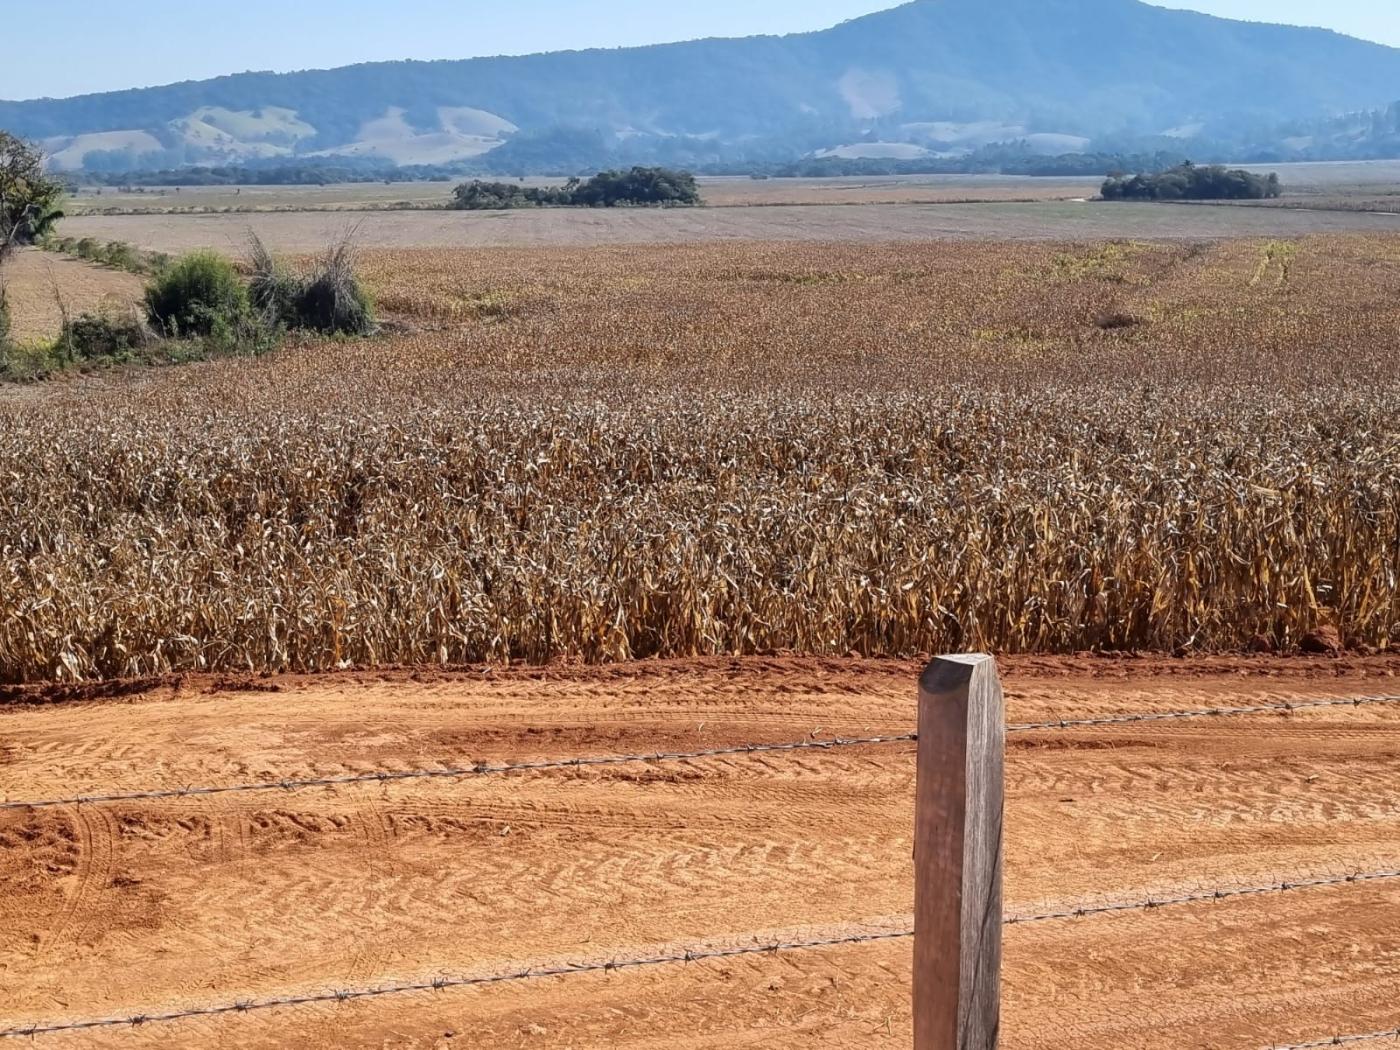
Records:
x=121, y=256
x=272, y=289
x=329, y=300
x=333, y=301
x=103, y=337
x=4, y=318
x=199, y=295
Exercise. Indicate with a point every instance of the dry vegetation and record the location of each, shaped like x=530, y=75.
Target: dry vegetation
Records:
x=42, y=286
x=817, y=224
x=628, y=452
x=737, y=191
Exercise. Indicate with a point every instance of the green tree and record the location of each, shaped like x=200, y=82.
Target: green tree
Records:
x=29, y=198
x=1193, y=182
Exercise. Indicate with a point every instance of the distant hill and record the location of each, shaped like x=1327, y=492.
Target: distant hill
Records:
x=933, y=76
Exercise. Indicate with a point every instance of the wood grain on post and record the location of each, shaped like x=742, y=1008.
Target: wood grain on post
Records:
x=958, y=855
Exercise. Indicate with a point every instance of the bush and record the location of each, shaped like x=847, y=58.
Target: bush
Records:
x=103, y=337
x=329, y=300
x=4, y=318
x=332, y=301
x=199, y=295
x=121, y=256
x=272, y=289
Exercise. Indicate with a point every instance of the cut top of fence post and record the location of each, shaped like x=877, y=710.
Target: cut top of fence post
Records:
x=958, y=855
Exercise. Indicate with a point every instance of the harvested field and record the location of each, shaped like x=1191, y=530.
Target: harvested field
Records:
x=718, y=192
x=894, y=189
x=41, y=285
x=142, y=907
x=730, y=449
x=1055, y=220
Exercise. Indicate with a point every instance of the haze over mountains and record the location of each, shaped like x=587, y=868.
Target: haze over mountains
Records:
x=931, y=78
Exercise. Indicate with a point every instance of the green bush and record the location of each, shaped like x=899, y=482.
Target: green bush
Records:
x=4, y=318
x=102, y=337
x=199, y=295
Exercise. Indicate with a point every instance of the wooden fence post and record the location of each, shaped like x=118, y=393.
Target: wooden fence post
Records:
x=958, y=855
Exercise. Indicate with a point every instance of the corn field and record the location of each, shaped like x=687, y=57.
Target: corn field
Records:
x=605, y=454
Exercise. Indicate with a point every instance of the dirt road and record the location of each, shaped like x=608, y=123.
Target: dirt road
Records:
x=143, y=907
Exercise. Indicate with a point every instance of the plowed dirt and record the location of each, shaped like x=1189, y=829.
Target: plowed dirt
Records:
x=144, y=907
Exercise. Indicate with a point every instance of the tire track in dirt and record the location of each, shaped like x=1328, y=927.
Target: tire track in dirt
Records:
x=265, y=894
x=96, y=831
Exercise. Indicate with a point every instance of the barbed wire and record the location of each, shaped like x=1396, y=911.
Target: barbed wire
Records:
x=477, y=770
x=1340, y=1040
x=693, y=955
x=1205, y=712
x=443, y=983
x=1152, y=904
x=488, y=769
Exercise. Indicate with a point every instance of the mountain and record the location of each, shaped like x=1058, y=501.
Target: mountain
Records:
x=931, y=76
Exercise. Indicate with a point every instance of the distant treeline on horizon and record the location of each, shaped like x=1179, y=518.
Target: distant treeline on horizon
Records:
x=330, y=172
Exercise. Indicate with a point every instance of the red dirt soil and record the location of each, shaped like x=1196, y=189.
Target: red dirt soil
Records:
x=145, y=907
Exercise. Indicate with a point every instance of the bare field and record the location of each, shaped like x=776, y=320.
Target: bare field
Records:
x=143, y=907
x=894, y=189
x=41, y=285
x=718, y=192
x=563, y=227
x=1330, y=177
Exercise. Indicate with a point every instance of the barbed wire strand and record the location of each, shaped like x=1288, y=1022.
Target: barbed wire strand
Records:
x=1210, y=895
x=443, y=983
x=687, y=956
x=488, y=769
x=1340, y=1040
x=1205, y=712
x=477, y=770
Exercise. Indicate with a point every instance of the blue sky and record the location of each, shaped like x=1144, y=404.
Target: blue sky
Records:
x=108, y=45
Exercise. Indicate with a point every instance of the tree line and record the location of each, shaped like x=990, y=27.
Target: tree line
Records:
x=638, y=187
x=1192, y=182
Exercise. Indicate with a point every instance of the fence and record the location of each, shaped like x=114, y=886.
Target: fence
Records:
x=958, y=916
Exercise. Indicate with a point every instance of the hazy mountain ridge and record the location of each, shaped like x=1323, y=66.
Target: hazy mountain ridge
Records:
x=918, y=76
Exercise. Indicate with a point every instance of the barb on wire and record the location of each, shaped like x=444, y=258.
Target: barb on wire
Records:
x=1340, y=1040
x=1204, y=712
x=477, y=770
x=689, y=955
